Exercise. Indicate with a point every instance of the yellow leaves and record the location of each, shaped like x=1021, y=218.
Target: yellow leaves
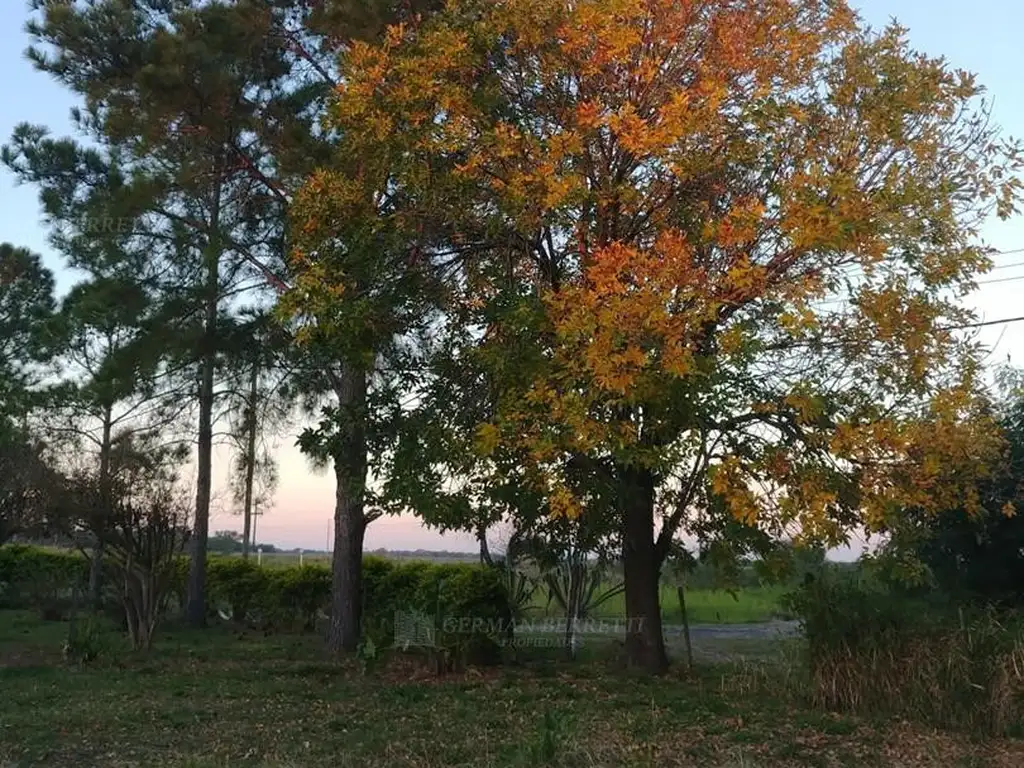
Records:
x=1009, y=510
x=633, y=132
x=746, y=279
x=729, y=482
x=623, y=326
x=563, y=503
x=488, y=437
x=731, y=341
x=808, y=407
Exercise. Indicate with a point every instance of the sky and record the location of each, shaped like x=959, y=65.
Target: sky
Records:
x=982, y=36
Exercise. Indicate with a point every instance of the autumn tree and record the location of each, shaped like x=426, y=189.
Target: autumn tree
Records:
x=361, y=351
x=706, y=249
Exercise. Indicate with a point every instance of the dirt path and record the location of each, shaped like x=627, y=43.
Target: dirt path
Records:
x=764, y=630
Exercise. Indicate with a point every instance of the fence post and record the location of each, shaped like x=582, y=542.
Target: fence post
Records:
x=680, y=593
x=259, y=556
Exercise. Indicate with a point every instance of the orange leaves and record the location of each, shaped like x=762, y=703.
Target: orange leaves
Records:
x=714, y=213
x=589, y=115
x=599, y=34
x=563, y=503
x=635, y=315
x=729, y=481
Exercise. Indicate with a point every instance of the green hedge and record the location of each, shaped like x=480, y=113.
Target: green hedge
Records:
x=32, y=577
x=449, y=596
x=463, y=603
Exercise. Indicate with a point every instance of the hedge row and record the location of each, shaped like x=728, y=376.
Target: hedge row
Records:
x=32, y=577
x=467, y=600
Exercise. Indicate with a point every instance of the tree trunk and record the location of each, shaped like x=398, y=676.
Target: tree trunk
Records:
x=572, y=610
x=645, y=642
x=96, y=576
x=195, y=610
x=485, y=551
x=250, y=461
x=349, y=515
x=96, y=563
x=681, y=593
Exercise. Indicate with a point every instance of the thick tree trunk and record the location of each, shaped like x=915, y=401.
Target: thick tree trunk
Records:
x=195, y=610
x=645, y=642
x=350, y=521
x=250, y=461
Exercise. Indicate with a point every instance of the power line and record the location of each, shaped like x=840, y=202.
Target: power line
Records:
x=1008, y=266
x=1000, y=280
x=982, y=324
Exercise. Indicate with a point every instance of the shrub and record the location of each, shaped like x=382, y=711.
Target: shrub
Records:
x=467, y=605
x=41, y=579
x=85, y=641
x=874, y=650
x=300, y=594
x=236, y=584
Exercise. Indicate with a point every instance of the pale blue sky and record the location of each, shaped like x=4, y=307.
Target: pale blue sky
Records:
x=985, y=37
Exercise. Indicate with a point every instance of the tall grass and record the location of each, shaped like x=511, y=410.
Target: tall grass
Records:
x=872, y=652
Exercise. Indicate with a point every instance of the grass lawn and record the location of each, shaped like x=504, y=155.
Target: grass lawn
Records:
x=224, y=698
x=704, y=606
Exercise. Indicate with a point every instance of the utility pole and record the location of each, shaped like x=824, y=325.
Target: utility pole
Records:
x=255, y=516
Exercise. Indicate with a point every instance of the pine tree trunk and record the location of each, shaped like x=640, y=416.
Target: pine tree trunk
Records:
x=349, y=514
x=195, y=610
x=96, y=564
x=250, y=462
x=96, y=576
x=645, y=642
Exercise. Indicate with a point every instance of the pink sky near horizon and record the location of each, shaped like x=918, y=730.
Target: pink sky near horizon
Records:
x=304, y=507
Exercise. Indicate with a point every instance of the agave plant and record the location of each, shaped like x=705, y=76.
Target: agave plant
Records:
x=520, y=587
x=578, y=588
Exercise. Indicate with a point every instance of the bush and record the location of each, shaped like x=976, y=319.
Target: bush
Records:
x=40, y=579
x=300, y=594
x=467, y=605
x=236, y=584
x=874, y=650
x=85, y=641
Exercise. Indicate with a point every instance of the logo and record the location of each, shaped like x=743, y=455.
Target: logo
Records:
x=414, y=629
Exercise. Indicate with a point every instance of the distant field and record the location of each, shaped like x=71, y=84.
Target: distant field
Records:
x=287, y=559
x=704, y=606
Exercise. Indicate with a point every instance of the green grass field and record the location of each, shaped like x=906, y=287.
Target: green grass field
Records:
x=224, y=698
x=703, y=606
